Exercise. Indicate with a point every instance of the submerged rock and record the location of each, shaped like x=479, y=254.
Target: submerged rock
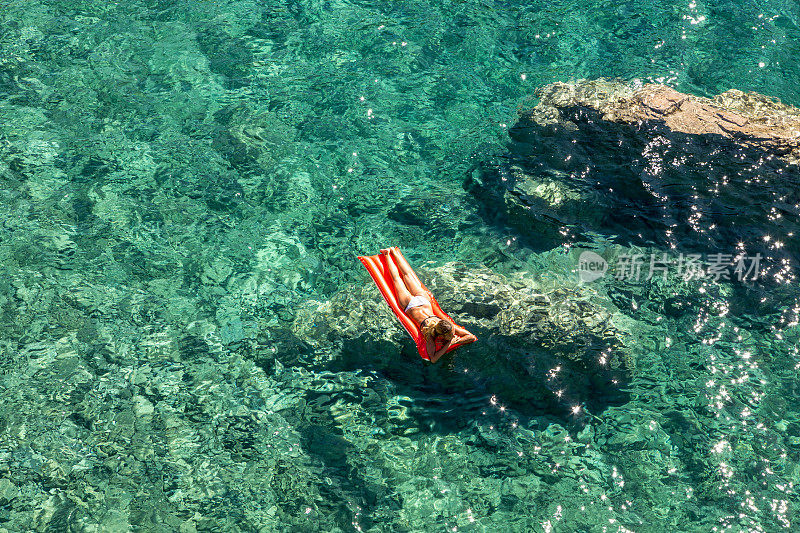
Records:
x=565, y=320
x=534, y=336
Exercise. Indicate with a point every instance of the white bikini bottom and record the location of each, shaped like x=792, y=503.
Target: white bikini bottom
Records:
x=416, y=301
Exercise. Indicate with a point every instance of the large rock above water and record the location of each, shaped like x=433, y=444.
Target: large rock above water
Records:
x=653, y=167
x=751, y=119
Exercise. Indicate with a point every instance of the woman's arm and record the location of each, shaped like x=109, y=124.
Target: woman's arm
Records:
x=465, y=339
x=440, y=352
x=430, y=346
x=461, y=332
x=455, y=341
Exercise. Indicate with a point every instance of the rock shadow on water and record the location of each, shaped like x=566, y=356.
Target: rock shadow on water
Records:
x=494, y=376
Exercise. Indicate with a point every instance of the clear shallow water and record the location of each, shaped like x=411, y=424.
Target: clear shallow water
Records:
x=180, y=177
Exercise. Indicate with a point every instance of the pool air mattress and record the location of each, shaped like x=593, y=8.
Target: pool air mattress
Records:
x=377, y=267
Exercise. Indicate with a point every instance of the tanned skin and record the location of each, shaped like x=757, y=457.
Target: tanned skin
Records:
x=408, y=285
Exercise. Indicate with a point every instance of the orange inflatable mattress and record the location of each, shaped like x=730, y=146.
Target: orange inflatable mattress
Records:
x=378, y=269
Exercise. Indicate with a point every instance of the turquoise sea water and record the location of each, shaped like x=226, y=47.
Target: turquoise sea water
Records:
x=179, y=178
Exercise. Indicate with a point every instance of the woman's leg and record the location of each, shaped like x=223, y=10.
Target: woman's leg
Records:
x=403, y=296
x=409, y=276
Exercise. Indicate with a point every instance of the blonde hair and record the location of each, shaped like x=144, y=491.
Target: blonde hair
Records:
x=440, y=328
